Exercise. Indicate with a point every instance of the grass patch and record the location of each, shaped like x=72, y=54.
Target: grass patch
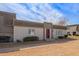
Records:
x=74, y=37
x=30, y=38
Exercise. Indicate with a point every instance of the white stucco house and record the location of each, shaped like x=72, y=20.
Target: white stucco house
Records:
x=20, y=29
x=45, y=31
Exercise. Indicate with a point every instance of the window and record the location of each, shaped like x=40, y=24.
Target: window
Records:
x=31, y=31
x=68, y=33
x=58, y=32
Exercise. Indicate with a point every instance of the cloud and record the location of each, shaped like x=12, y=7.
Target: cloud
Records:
x=33, y=12
x=46, y=11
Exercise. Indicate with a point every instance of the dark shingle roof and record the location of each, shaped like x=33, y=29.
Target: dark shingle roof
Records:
x=59, y=27
x=35, y=24
x=4, y=12
x=28, y=23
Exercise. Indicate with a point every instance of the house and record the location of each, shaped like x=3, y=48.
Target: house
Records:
x=73, y=29
x=18, y=29
x=6, y=26
x=45, y=31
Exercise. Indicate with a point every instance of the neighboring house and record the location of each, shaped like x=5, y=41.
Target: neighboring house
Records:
x=6, y=26
x=73, y=29
x=18, y=29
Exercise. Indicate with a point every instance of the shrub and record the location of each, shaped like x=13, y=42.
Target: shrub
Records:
x=4, y=39
x=69, y=34
x=65, y=36
x=77, y=34
x=31, y=38
x=60, y=37
x=18, y=41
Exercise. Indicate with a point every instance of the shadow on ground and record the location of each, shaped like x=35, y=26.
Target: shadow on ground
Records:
x=11, y=47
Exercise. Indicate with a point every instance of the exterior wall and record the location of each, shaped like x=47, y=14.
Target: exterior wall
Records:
x=58, y=32
x=77, y=28
x=21, y=32
x=72, y=29
x=7, y=23
x=77, y=32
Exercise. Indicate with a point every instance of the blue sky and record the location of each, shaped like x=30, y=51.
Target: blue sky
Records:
x=40, y=12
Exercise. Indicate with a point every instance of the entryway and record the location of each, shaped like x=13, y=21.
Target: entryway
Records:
x=48, y=34
x=48, y=31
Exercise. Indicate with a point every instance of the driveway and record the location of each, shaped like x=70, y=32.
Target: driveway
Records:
x=58, y=47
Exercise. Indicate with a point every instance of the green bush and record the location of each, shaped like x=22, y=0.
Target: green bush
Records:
x=77, y=34
x=30, y=38
x=18, y=41
x=60, y=37
x=65, y=36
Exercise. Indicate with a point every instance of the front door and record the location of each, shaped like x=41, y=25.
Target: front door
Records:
x=47, y=33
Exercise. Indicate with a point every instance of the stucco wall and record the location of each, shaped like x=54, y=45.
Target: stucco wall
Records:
x=71, y=29
x=58, y=32
x=7, y=24
x=77, y=32
x=21, y=32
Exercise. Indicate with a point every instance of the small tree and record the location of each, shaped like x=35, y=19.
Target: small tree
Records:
x=63, y=21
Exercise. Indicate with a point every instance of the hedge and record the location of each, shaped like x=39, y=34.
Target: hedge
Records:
x=30, y=38
x=61, y=37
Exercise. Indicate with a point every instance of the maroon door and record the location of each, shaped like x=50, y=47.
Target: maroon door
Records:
x=47, y=33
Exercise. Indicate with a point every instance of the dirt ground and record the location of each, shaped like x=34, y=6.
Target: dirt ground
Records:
x=61, y=47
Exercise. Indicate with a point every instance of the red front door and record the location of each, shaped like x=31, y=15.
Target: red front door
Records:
x=47, y=33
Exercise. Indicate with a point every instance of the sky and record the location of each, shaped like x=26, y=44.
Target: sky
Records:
x=44, y=12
